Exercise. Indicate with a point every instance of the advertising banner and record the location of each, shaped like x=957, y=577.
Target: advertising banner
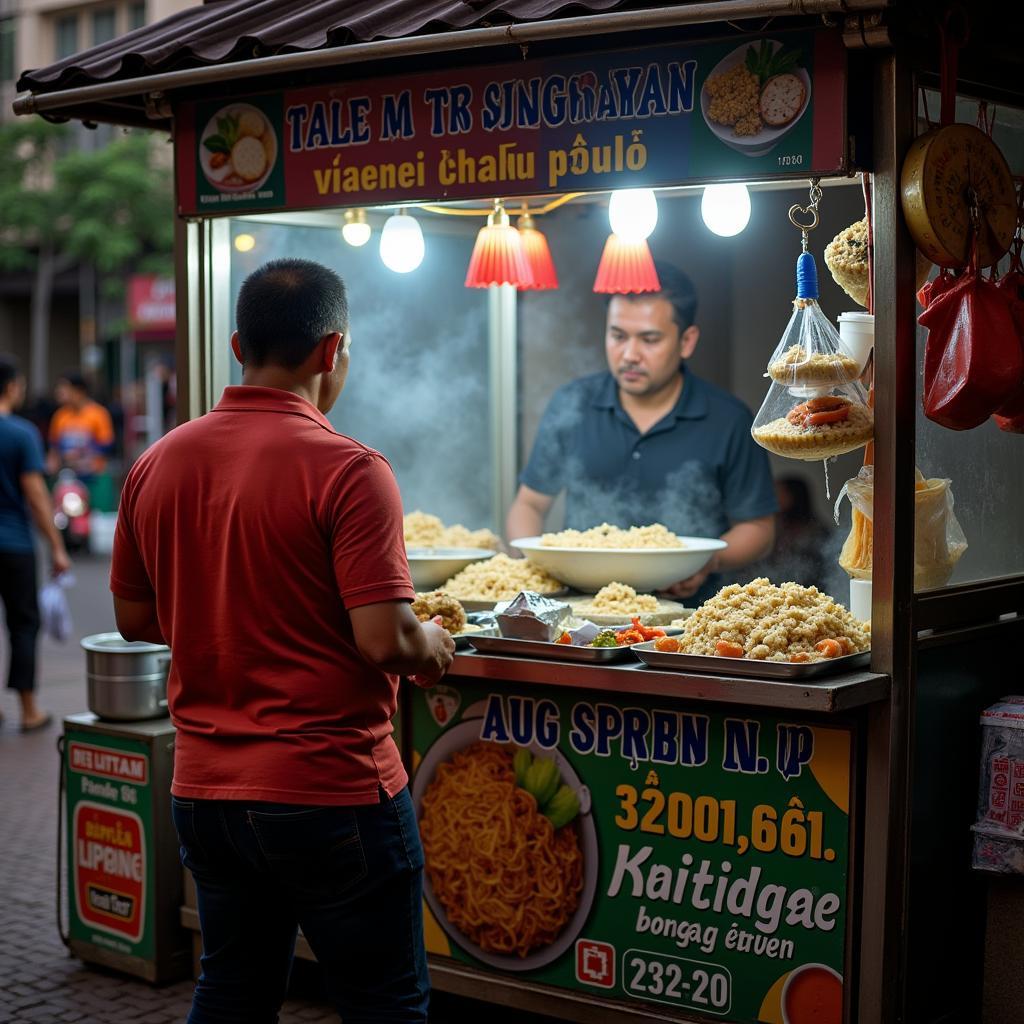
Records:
x=109, y=802
x=629, y=848
x=764, y=107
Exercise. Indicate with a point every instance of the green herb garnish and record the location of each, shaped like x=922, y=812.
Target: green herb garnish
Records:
x=766, y=63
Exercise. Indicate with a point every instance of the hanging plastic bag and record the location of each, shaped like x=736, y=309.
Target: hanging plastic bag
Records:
x=1010, y=415
x=939, y=540
x=973, y=361
x=815, y=407
x=54, y=610
x=931, y=290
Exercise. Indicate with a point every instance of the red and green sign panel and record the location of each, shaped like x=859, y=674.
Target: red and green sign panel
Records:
x=765, y=107
x=635, y=849
x=109, y=800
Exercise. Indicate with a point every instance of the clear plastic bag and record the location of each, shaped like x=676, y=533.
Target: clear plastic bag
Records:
x=54, y=610
x=939, y=540
x=815, y=408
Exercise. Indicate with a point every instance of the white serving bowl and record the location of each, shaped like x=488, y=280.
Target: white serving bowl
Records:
x=643, y=569
x=430, y=567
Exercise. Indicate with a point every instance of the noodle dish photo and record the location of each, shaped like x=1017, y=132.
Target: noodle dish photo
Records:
x=510, y=847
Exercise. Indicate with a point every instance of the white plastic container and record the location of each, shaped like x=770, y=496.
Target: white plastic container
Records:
x=860, y=599
x=857, y=333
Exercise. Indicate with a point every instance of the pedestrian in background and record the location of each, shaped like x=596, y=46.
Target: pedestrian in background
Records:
x=268, y=550
x=23, y=499
x=81, y=430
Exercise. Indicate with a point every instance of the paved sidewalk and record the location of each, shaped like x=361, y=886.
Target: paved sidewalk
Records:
x=39, y=981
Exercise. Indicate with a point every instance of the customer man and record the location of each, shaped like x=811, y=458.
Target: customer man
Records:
x=649, y=441
x=23, y=496
x=267, y=550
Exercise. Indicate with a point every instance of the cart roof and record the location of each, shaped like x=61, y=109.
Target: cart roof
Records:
x=220, y=32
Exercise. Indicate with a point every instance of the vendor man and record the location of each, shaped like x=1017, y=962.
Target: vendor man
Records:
x=648, y=441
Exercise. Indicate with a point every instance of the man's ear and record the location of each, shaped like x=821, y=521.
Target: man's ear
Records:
x=236, y=348
x=331, y=344
x=688, y=341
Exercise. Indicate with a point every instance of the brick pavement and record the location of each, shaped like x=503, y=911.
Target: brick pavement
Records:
x=39, y=980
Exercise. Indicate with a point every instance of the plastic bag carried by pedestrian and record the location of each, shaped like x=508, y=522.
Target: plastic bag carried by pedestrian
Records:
x=54, y=610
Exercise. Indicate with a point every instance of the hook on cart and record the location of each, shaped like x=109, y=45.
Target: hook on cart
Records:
x=810, y=210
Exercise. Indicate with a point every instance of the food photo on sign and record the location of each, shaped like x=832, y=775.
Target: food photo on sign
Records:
x=688, y=859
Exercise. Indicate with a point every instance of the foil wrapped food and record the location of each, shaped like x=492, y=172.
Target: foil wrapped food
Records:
x=530, y=616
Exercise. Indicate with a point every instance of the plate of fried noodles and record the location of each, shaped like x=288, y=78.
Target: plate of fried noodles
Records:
x=510, y=847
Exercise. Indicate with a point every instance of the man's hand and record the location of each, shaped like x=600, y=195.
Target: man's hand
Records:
x=442, y=651
x=690, y=586
x=59, y=561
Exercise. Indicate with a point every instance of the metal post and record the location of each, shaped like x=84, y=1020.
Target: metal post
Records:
x=890, y=727
x=503, y=341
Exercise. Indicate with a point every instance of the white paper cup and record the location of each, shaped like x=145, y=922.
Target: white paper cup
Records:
x=857, y=333
x=860, y=599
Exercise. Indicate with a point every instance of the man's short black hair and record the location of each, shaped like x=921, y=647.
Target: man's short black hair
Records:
x=285, y=308
x=76, y=380
x=9, y=371
x=677, y=289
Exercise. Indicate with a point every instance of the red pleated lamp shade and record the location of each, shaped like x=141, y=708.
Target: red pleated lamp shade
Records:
x=538, y=255
x=498, y=256
x=626, y=267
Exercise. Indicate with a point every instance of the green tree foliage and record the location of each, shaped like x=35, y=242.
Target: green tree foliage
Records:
x=111, y=207
x=109, y=210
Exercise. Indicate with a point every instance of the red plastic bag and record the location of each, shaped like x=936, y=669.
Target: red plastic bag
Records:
x=931, y=290
x=1010, y=416
x=973, y=362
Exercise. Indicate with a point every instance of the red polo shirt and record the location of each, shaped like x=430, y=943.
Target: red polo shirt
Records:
x=257, y=527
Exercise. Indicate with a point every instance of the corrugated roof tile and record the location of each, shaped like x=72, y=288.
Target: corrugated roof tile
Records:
x=231, y=30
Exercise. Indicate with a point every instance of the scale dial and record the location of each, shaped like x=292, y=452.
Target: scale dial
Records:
x=946, y=170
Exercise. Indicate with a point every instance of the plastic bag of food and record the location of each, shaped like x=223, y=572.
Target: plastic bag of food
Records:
x=815, y=407
x=54, y=610
x=973, y=361
x=1010, y=415
x=939, y=540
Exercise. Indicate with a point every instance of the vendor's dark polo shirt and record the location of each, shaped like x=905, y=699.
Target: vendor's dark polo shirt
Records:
x=697, y=470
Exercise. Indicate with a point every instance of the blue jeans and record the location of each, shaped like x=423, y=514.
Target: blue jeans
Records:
x=351, y=877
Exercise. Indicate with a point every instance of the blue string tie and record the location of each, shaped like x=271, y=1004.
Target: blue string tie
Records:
x=806, y=277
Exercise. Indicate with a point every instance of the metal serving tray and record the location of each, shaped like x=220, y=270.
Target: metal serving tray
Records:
x=539, y=649
x=462, y=639
x=786, y=670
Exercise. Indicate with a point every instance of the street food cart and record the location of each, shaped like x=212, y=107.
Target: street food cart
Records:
x=746, y=848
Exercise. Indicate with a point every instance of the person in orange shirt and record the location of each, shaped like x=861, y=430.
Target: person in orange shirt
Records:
x=81, y=431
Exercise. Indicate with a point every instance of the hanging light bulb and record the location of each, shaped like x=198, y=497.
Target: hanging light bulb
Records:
x=538, y=255
x=355, y=230
x=625, y=268
x=401, y=243
x=245, y=243
x=498, y=256
x=725, y=208
x=633, y=213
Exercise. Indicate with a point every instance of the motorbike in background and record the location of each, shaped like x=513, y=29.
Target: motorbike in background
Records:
x=71, y=510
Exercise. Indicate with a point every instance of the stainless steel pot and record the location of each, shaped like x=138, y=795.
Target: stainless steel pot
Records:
x=127, y=678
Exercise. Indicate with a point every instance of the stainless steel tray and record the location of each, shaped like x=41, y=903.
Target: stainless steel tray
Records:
x=539, y=649
x=462, y=639
x=703, y=663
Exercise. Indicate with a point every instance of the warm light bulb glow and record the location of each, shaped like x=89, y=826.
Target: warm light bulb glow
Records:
x=633, y=213
x=401, y=243
x=725, y=209
x=245, y=243
x=355, y=230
